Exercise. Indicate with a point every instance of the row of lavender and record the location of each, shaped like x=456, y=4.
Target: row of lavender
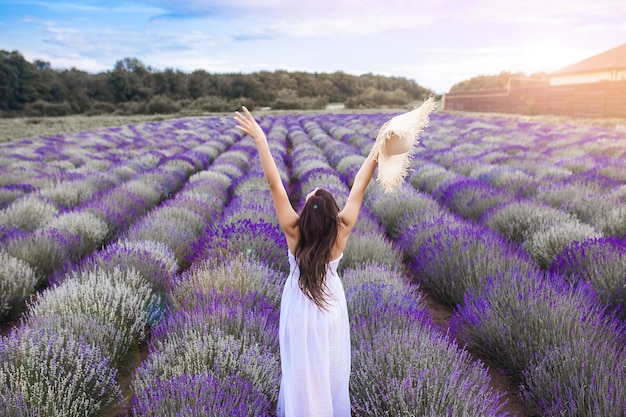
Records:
x=556, y=338
x=54, y=216
x=216, y=353
x=64, y=358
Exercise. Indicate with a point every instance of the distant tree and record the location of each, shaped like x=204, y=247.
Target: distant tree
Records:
x=41, y=65
x=170, y=83
x=245, y=86
x=18, y=81
x=129, y=80
x=75, y=87
x=198, y=84
x=346, y=85
x=132, y=65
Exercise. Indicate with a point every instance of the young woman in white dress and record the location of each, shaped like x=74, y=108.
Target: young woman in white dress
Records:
x=314, y=330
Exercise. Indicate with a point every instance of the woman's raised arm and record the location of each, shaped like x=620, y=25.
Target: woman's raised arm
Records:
x=287, y=217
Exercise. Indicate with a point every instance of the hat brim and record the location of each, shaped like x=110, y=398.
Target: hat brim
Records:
x=394, y=159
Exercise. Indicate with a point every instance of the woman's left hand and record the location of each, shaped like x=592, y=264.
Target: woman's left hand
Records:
x=249, y=125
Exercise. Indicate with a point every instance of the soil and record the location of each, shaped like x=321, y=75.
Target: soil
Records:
x=440, y=314
x=125, y=376
x=13, y=320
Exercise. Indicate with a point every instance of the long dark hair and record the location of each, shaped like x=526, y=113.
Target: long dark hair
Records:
x=318, y=227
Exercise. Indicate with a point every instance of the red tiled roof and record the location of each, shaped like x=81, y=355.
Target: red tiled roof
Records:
x=612, y=59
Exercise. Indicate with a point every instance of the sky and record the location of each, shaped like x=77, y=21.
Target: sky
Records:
x=436, y=43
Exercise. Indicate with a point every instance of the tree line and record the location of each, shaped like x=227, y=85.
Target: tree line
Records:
x=131, y=87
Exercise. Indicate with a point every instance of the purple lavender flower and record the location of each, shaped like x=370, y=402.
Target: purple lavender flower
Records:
x=202, y=394
x=256, y=239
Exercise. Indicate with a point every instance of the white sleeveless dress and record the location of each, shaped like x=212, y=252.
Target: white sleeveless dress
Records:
x=314, y=350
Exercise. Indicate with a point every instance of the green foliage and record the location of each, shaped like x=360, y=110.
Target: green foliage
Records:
x=132, y=87
x=162, y=104
x=288, y=99
x=41, y=108
x=373, y=97
x=19, y=81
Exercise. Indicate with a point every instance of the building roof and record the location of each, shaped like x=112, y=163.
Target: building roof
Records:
x=610, y=60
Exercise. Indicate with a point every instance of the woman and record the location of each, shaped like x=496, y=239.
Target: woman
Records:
x=314, y=331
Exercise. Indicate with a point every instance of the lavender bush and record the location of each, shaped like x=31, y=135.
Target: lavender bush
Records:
x=91, y=230
x=68, y=194
x=201, y=394
x=427, y=176
x=469, y=197
x=461, y=257
x=584, y=378
x=515, y=180
x=544, y=245
x=378, y=291
x=44, y=250
x=28, y=213
x=517, y=220
x=10, y=193
x=238, y=272
x=197, y=352
x=153, y=261
x=369, y=247
x=395, y=210
x=209, y=179
x=99, y=333
x=255, y=239
x=523, y=315
x=418, y=373
x=56, y=374
x=17, y=281
x=600, y=262
x=121, y=297
x=13, y=404
x=250, y=317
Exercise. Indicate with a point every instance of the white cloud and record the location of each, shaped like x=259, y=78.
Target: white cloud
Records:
x=124, y=43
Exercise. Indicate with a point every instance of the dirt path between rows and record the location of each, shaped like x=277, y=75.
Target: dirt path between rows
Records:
x=440, y=314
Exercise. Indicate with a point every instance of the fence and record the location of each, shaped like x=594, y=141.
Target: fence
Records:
x=600, y=99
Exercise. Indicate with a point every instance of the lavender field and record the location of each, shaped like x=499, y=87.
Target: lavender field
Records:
x=142, y=267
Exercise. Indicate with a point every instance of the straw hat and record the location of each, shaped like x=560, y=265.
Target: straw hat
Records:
x=395, y=142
